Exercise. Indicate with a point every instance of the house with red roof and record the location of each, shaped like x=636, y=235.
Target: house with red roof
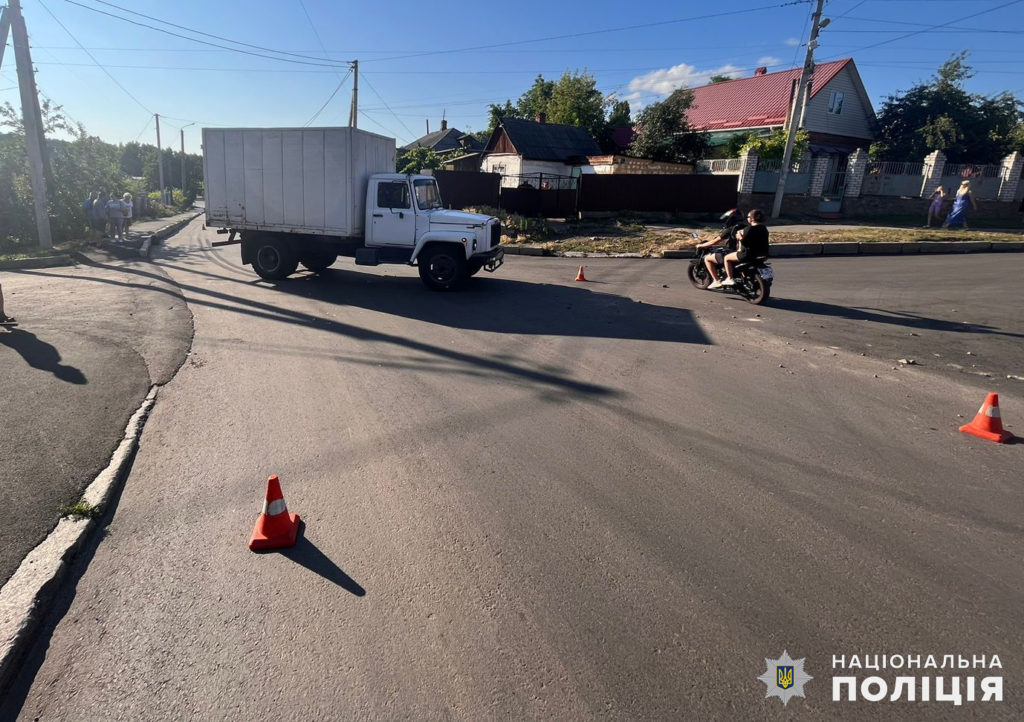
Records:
x=838, y=118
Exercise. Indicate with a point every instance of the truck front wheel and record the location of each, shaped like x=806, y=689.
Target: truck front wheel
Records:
x=443, y=267
x=272, y=259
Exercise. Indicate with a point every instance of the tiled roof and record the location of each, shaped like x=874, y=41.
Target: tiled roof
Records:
x=546, y=141
x=753, y=101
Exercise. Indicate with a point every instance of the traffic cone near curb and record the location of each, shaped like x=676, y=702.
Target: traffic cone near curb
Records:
x=579, y=275
x=276, y=527
x=987, y=422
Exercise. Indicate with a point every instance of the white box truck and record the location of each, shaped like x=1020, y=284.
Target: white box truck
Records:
x=309, y=195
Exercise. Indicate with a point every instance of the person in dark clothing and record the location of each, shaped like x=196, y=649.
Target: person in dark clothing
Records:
x=734, y=225
x=753, y=242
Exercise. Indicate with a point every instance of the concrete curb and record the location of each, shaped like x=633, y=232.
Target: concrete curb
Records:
x=800, y=250
x=25, y=598
x=166, y=231
x=171, y=228
x=68, y=259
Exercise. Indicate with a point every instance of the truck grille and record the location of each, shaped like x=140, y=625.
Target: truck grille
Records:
x=495, y=234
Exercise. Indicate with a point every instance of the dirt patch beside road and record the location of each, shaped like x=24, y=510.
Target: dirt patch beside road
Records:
x=631, y=236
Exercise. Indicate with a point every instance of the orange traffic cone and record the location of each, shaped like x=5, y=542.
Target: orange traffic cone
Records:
x=275, y=527
x=987, y=423
x=579, y=275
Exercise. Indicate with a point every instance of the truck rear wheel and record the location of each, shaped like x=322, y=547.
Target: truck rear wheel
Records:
x=273, y=259
x=443, y=267
x=319, y=261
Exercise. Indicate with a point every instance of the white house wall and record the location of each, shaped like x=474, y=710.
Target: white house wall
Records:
x=852, y=121
x=504, y=163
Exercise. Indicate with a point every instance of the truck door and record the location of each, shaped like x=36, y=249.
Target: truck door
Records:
x=394, y=221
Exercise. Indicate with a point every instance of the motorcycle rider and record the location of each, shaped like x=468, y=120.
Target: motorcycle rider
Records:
x=732, y=226
x=753, y=242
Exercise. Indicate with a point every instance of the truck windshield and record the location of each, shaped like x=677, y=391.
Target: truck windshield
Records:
x=427, y=196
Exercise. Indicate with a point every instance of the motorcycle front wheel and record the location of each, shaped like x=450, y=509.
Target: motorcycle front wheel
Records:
x=698, y=275
x=756, y=290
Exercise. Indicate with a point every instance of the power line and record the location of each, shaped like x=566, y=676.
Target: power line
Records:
x=144, y=128
x=381, y=98
x=587, y=33
x=309, y=61
x=191, y=30
x=341, y=80
x=98, y=64
x=327, y=102
x=934, y=28
x=202, y=42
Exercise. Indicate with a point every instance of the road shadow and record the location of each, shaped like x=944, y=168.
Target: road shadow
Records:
x=503, y=306
x=40, y=355
x=877, y=315
x=306, y=554
x=489, y=304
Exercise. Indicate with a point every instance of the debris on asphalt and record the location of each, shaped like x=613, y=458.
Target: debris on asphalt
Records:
x=907, y=362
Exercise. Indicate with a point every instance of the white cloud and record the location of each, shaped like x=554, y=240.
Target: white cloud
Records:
x=792, y=42
x=663, y=82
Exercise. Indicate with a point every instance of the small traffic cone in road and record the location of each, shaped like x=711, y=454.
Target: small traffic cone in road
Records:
x=579, y=275
x=987, y=423
x=276, y=527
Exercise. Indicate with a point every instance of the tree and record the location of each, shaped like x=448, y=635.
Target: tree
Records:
x=719, y=78
x=571, y=100
x=575, y=100
x=663, y=134
x=941, y=115
x=414, y=160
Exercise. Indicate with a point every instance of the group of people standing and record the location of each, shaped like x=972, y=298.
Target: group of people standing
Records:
x=958, y=215
x=107, y=214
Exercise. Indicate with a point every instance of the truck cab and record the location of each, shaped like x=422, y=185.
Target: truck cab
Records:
x=406, y=223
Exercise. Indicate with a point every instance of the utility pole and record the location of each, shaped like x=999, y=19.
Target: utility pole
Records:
x=353, y=119
x=183, y=156
x=796, y=110
x=5, y=26
x=160, y=159
x=32, y=120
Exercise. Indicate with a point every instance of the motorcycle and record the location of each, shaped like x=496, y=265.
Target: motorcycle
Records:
x=753, y=278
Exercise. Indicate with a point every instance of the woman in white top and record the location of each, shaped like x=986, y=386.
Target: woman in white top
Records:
x=126, y=204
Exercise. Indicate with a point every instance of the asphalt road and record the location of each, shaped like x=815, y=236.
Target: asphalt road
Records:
x=540, y=498
x=91, y=340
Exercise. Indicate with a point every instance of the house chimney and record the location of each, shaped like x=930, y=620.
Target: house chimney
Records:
x=541, y=117
x=761, y=71
x=444, y=124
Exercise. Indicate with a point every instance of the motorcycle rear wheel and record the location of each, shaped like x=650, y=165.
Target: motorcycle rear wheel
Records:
x=756, y=290
x=699, y=276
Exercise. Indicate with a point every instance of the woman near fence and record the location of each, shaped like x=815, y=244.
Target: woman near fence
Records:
x=935, y=207
x=958, y=216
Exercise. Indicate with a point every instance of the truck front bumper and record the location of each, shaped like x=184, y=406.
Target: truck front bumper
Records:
x=490, y=260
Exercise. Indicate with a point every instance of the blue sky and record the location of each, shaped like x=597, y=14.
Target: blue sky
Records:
x=419, y=60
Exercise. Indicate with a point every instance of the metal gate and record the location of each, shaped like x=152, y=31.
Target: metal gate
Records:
x=835, y=185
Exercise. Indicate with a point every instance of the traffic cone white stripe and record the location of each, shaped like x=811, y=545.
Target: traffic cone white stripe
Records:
x=992, y=412
x=275, y=507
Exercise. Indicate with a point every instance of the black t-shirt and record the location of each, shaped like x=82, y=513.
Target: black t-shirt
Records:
x=755, y=240
x=729, y=235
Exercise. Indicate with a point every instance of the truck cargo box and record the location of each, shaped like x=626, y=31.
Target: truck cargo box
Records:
x=297, y=180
